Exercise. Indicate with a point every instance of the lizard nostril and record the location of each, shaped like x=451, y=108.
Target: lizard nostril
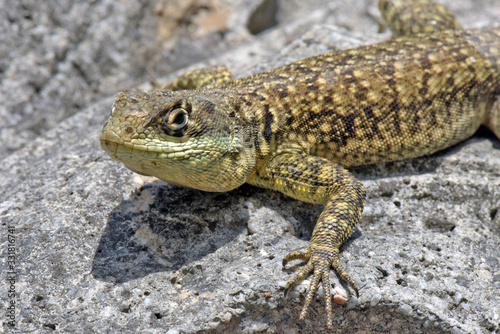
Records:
x=128, y=129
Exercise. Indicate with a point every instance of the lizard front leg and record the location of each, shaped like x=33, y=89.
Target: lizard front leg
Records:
x=205, y=77
x=317, y=180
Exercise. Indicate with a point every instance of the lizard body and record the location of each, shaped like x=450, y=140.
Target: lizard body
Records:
x=296, y=128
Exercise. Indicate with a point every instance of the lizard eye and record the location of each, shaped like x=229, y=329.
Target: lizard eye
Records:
x=175, y=122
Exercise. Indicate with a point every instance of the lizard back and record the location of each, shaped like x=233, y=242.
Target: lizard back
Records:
x=399, y=99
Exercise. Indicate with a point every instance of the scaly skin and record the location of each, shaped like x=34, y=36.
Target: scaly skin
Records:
x=296, y=128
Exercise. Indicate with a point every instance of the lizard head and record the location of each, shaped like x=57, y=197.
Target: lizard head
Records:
x=186, y=138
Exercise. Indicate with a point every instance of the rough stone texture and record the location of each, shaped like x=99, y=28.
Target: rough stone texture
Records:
x=102, y=250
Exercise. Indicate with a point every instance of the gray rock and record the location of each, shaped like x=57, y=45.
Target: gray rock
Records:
x=99, y=249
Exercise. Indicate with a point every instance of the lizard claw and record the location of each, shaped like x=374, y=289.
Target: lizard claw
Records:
x=319, y=262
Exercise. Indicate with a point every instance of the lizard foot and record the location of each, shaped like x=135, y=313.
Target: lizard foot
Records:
x=319, y=261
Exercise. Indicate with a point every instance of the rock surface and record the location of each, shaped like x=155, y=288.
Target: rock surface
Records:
x=100, y=249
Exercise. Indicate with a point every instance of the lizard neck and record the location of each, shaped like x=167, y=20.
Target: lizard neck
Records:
x=250, y=112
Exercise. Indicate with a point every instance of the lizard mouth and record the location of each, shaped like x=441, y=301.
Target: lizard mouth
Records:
x=121, y=150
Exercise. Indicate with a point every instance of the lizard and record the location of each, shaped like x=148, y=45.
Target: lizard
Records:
x=297, y=129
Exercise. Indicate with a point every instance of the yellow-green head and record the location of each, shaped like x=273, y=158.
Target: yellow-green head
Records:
x=185, y=138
